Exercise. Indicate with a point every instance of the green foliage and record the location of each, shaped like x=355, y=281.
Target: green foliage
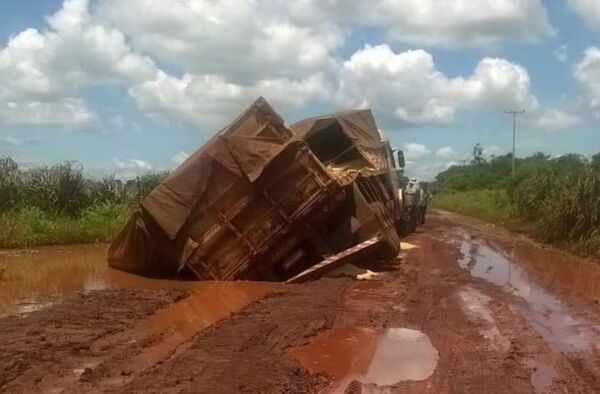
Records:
x=572, y=210
x=558, y=198
x=478, y=155
x=491, y=205
x=57, y=204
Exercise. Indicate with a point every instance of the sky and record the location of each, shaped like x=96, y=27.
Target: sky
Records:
x=129, y=86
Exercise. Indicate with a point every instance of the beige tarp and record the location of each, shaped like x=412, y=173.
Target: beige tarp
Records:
x=357, y=125
x=241, y=150
x=244, y=148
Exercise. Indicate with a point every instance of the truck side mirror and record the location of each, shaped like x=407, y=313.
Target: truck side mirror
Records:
x=400, y=156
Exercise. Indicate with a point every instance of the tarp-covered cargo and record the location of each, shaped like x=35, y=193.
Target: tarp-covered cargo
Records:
x=260, y=201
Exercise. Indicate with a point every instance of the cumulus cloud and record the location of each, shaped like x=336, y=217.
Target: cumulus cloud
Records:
x=448, y=23
x=130, y=168
x=229, y=52
x=446, y=152
x=211, y=100
x=41, y=71
x=179, y=157
x=553, y=120
x=243, y=41
x=414, y=151
x=464, y=22
x=492, y=150
x=406, y=88
x=589, y=10
x=587, y=72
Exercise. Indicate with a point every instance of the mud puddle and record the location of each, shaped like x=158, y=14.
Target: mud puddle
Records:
x=549, y=316
x=176, y=324
x=370, y=356
x=477, y=307
x=33, y=279
x=542, y=377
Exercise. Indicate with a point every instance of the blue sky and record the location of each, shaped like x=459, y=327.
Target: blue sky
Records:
x=126, y=86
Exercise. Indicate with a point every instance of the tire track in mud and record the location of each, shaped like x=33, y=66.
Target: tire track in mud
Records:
x=50, y=349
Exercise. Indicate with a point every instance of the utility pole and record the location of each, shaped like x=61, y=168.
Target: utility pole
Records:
x=514, y=114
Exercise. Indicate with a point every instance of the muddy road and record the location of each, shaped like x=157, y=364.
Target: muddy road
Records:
x=467, y=308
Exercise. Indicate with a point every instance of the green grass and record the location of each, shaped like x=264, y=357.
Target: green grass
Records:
x=491, y=205
x=31, y=226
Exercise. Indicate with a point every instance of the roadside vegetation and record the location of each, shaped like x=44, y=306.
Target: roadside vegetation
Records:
x=59, y=205
x=557, y=200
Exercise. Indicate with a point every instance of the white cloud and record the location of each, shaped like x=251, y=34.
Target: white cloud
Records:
x=406, y=87
x=446, y=152
x=414, y=151
x=17, y=142
x=211, y=100
x=589, y=10
x=243, y=41
x=41, y=71
x=68, y=111
x=587, y=72
x=464, y=22
x=561, y=53
x=130, y=168
x=449, y=23
x=553, y=120
x=229, y=52
x=492, y=150
x=179, y=157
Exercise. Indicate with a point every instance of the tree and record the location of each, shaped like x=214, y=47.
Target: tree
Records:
x=478, y=158
x=596, y=162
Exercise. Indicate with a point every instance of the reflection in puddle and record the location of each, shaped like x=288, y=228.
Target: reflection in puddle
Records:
x=30, y=277
x=542, y=376
x=546, y=314
x=369, y=356
x=208, y=303
x=476, y=304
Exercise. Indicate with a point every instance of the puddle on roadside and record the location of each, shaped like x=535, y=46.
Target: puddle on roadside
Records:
x=370, y=356
x=170, y=329
x=30, y=278
x=545, y=313
x=542, y=377
x=209, y=302
x=476, y=304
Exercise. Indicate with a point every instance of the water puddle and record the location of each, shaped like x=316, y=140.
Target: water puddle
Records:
x=29, y=279
x=476, y=305
x=369, y=356
x=209, y=303
x=545, y=313
x=542, y=377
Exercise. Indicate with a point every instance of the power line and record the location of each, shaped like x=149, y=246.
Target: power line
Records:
x=514, y=114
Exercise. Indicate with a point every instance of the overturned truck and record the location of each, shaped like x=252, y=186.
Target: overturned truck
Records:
x=264, y=201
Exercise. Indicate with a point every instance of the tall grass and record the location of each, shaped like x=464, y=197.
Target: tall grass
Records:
x=488, y=204
x=58, y=204
x=557, y=200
